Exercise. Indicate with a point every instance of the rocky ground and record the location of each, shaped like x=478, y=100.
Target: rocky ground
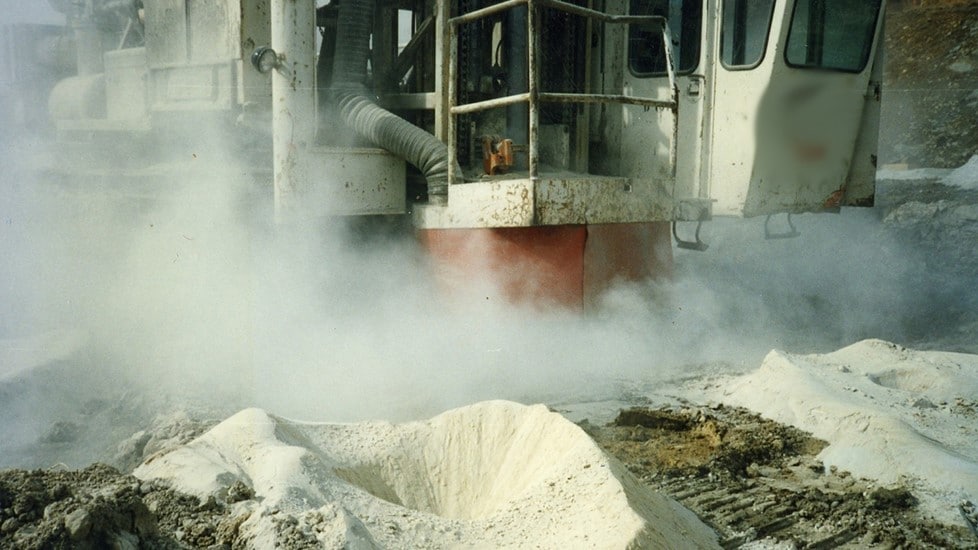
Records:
x=99, y=507
x=102, y=506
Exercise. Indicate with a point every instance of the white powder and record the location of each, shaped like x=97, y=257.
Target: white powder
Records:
x=494, y=474
x=889, y=413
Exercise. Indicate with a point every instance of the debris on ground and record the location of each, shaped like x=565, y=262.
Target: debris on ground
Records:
x=755, y=479
x=99, y=507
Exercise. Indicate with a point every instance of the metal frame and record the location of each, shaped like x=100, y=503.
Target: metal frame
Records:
x=533, y=96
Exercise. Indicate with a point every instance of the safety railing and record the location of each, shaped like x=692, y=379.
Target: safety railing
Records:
x=533, y=96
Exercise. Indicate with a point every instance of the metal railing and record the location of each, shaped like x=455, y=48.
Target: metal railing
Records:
x=533, y=96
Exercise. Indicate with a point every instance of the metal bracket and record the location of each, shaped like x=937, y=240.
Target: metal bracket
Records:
x=697, y=245
x=790, y=234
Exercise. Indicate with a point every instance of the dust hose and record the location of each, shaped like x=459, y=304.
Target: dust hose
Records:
x=368, y=119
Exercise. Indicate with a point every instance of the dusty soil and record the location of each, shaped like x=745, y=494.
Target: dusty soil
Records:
x=99, y=507
x=749, y=478
x=753, y=479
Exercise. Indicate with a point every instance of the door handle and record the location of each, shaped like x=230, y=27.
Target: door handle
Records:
x=695, y=86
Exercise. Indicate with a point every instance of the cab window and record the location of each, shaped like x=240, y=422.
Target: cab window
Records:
x=832, y=34
x=645, y=48
x=744, y=32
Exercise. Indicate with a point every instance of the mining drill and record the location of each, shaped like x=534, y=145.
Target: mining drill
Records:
x=556, y=146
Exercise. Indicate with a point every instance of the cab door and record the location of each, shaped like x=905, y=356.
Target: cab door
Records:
x=792, y=86
x=647, y=134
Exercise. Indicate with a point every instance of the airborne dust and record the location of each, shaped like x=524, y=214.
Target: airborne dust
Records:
x=180, y=288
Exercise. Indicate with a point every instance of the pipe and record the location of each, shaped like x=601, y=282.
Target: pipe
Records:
x=293, y=25
x=370, y=121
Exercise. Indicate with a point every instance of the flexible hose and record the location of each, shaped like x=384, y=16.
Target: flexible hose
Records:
x=365, y=117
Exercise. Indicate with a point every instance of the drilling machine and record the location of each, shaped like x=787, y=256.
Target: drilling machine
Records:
x=554, y=147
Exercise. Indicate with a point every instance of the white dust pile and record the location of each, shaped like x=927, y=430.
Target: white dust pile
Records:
x=490, y=475
x=889, y=413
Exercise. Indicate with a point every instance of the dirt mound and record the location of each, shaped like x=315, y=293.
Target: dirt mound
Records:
x=99, y=507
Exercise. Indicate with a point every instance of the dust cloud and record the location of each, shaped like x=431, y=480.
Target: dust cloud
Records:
x=187, y=288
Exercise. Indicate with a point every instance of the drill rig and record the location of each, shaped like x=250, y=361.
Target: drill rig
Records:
x=552, y=146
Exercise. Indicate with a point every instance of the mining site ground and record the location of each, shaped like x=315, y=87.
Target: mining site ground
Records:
x=749, y=478
x=754, y=479
x=74, y=429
